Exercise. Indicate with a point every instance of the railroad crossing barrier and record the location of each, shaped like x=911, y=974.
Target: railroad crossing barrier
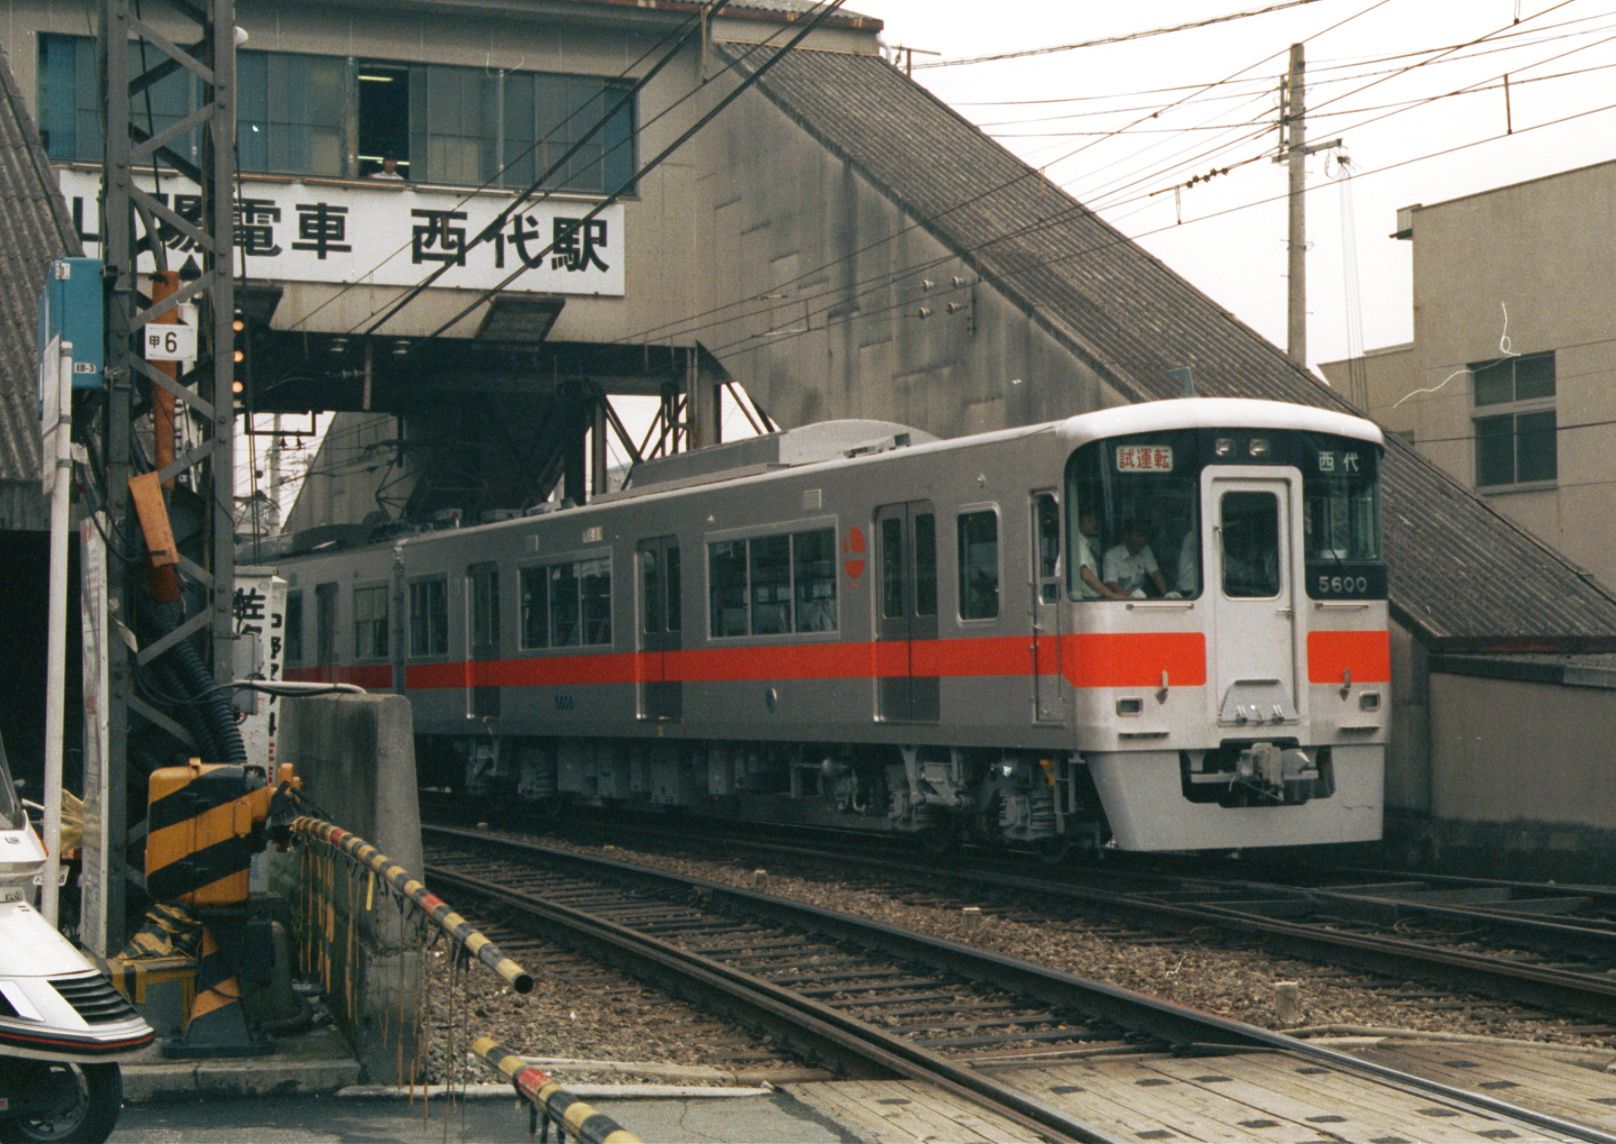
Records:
x=546, y=1098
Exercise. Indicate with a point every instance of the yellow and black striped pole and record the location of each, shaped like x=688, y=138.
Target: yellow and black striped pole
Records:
x=552, y=1101
x=356, y=849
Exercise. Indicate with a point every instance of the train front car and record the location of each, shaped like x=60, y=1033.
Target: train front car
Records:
x=1229, y=653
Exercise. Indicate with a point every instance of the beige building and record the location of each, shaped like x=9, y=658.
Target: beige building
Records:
x=1507, y=383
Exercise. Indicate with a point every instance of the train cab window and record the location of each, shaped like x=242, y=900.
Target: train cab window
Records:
x=429, y=617
x=979, y=565
x=1341, y=530
x=1149, y=483
x=325, y=623
x=1249, y=539
x=292, y=648
x=370, y=622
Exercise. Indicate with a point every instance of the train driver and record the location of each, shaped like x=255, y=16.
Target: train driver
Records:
x=1131, y=566
x=1090, y=586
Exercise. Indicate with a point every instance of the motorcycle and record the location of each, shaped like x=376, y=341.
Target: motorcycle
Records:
x=63, y=1027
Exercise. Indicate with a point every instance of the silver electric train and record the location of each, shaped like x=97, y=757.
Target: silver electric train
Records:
x=1157, y=627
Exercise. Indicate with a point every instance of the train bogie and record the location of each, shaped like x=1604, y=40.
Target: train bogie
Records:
x=1158, y=627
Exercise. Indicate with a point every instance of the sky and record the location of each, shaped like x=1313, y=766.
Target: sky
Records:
x=1421, y=119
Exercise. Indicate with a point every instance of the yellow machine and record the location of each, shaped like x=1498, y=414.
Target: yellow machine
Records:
x=205, y=821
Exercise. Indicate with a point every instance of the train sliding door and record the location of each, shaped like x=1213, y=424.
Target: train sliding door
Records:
x=661, y=698
x=906, y=610
x=482, y=628
x=1253, y=591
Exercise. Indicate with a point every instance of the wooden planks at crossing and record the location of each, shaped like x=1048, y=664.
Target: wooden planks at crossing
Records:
x=1264, y=1097
x=1573, y=1084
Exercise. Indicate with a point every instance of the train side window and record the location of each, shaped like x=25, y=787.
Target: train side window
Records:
x=726, y=585
x=813, y=573
x=674, y=618
x=769, y=570
x=1046, y=553
x=370, y=622
x=563, y=605
x=652, y=611
x=595, y=601
x=293, y=647
x=535, y=590
x=325, y=623
x=978, y=565
x=925, y=564
x=429, y=617
x=891, y=568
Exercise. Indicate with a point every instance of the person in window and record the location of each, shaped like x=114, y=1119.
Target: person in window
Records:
x=1090, y=586
x=388, y=170
x=1131, y=566
x=1188, y=581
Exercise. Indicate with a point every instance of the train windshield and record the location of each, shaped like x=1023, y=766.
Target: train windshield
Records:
x=1133, y=511
x=1132, y=506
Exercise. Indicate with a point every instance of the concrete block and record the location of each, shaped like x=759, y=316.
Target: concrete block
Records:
x=356, y=757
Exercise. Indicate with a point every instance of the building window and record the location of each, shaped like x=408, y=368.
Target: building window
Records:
x=429, y=617
x=772, y=585
x=979, y=565
x=70, y=104
x=1515, y=421
x=289, y=113
x=370, y=623
x=297, y=112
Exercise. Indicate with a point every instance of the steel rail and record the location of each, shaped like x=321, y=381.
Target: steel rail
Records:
x=829, y=1032
x=1584, y=993
x=1192, y=1027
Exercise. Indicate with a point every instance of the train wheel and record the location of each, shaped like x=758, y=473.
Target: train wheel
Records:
x=1053, y=849
x=938, y=838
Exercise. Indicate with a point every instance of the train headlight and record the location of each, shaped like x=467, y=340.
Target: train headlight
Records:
x=1223, y=447
x=1259, y=448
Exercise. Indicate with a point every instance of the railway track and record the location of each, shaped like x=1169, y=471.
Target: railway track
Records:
x=1547, y=947
x=871, y=1000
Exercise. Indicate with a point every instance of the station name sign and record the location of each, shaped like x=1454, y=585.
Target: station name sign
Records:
x=389, y=235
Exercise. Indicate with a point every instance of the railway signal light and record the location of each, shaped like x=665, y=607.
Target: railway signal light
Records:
x=241, y=375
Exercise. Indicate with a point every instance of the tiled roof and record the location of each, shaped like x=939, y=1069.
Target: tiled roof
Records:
x=37, y=229
x=1462, y=576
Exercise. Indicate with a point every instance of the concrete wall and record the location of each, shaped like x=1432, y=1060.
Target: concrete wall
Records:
x=1501, y=745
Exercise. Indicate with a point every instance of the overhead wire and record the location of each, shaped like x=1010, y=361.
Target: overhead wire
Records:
x=1108, y=40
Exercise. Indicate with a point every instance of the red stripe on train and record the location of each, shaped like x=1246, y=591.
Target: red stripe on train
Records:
x=1330, y=655
x=1086, y=660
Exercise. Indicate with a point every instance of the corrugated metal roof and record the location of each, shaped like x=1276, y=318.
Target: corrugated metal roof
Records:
x=37, y=229
x=1462, y=575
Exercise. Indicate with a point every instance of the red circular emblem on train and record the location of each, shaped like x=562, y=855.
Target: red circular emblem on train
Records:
x=853, y=550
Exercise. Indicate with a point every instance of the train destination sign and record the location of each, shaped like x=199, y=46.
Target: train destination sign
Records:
x=1144, y=458
x=390, y=235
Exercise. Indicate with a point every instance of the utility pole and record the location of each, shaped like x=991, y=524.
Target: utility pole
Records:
x=1296, y=153
x=1295, y=149
x=196, y=39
